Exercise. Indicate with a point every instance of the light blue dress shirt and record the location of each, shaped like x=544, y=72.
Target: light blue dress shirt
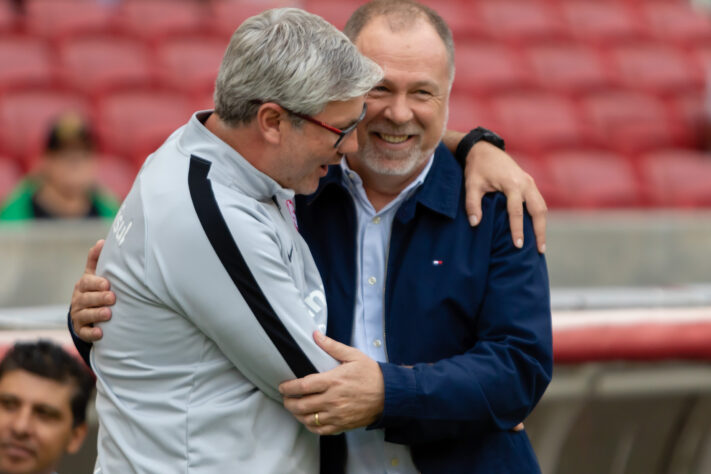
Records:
x=368, y=452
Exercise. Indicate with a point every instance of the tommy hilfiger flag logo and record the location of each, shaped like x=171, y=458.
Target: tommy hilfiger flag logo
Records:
x=437, y=262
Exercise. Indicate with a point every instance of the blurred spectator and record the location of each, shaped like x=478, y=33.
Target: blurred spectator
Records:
x=64, y=185
x=44, y=393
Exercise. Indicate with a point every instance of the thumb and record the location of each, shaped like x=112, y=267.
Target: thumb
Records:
x=340, y=352
x=93, y=257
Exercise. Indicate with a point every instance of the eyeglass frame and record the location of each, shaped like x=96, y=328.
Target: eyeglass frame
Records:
x=341, y=133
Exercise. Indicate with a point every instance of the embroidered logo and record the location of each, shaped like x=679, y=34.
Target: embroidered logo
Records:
x=120, y=227
x=437, y=263
x=292, y=211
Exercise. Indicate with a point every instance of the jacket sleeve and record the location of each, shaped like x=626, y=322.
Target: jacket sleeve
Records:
x=497, y=382
x=237, y=287
x=83, y=348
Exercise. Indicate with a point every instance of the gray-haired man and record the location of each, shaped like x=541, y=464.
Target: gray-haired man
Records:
x=218, y=295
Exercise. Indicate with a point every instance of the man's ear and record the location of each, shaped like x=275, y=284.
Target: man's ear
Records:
x=77, y=438
x=271, y=120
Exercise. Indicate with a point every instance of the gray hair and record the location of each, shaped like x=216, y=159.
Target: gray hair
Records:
x=293, y=58
x=401, y=15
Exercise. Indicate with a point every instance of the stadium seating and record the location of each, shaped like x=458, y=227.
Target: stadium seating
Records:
x=485, y=67
x=25, y=118
x=25, y=62
x=7, y=16
x=134, y=123
x=535, y=122
x=115, y=174
x=656, y=68
x=57, y=19
x=603, y=22
x=225, y=16
x=156, y=19
x=594, y=179
x=678, y=178
x=337, y=13
x=568, y=67
x=627, y=121
x=96, y=64
x=466, y=112
x=539, y=170
x=10, y=174
x=676, y=22
x=520, y=22
x=189, y=63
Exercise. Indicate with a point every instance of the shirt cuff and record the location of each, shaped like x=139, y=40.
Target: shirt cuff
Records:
x=400, y=394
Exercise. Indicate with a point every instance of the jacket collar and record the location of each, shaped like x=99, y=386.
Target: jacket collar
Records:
x=439, y=193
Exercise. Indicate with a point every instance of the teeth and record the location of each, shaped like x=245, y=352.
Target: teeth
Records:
x=393, y=138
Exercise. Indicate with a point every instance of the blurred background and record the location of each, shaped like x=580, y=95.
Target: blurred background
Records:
x=606, y=103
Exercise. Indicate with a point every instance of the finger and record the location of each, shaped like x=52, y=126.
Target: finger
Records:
x=92, y=283
x=514, y=204
x=474, y=195
x=93, y=257
x=305, y=405
x=518, y=427
x=340, y=352
x=309, y=385
x=92, y=299
x=89, y=334
x=536, y=206
x=88, y=317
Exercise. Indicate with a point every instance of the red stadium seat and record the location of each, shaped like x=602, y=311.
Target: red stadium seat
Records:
x=655, y=68
x=568, y=68
x=95, y=64
x=10, y=175
x=594, y=179
x=482, y=68
x=203, y=101
x=25, y=118
x=466, y=113
x=540, y=172
x=25, y=62
x=678, y=178
x=227, y=15
x=190, y=63
x=627, y=121
x=677, y=22
x=62, y=18
x=602, y=22
x=8, y=18
x=133, y=124
x=155, y=19
x=534, y=122
x=337, y=13
x=462, y=17
x=116, y=175
x=520, y=21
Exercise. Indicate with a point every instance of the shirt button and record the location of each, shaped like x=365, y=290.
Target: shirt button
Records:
x=372, y=280
x=377, y=343
x=394, y=462
x=376, y=220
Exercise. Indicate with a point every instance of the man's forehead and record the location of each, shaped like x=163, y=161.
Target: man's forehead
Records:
x=34, y=389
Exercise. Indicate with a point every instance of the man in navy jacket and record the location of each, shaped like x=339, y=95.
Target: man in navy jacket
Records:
x=464, y=346
x=463, y=331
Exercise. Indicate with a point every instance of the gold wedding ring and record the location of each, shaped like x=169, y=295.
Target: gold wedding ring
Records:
x=316, y=422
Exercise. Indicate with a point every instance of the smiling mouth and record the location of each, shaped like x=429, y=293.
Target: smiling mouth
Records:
x=394, y=139
x=16, y=451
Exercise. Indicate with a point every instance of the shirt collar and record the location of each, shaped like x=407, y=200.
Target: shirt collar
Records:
x=353, y=182
x=228, y=166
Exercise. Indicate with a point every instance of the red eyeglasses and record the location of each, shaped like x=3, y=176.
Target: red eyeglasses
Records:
x=341, y=133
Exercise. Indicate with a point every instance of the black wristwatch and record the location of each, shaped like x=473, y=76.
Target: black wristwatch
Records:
x=471, y=138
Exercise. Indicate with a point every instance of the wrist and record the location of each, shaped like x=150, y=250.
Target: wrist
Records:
x=473, y=137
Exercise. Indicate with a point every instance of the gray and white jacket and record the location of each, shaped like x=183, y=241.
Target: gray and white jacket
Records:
x=217, y=300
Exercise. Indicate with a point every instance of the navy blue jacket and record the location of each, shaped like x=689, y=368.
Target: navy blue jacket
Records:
x=463, y=306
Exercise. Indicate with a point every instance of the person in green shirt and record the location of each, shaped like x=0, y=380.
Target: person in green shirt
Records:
x=64, y=185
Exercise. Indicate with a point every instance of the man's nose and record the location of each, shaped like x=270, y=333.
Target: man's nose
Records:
x=349, y=144
x=21, y=423
x=398, y=110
